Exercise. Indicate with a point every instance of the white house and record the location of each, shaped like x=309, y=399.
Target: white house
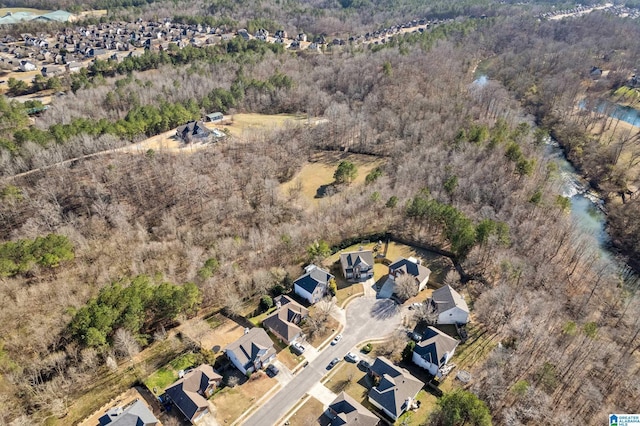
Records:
x=251, y=351
x=313, y=285
x=411, y=266
x=450, y=306
x=27, y=66
x=434, y=351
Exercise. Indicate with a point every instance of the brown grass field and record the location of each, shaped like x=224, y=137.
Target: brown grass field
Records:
x=320, y=172
x=307, y=414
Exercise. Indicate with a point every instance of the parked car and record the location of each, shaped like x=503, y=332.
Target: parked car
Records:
x=364, y=365
x=333, y=363
x=336, y=339
x=297, y=348
x=416, y=337
x=272, y=370
x=351, y=357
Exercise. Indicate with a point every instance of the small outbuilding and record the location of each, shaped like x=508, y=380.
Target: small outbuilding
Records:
x=214, y=116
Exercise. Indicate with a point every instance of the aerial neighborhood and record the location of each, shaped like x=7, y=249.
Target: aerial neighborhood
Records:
x=277, y=350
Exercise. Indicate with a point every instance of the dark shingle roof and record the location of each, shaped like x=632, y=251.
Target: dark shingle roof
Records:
x=446, y=298
x=345, y=410
x=284, y=321
x=410, y=267
x=435, y=345
x=184, y=392
x=312, y=279
x=395, y=387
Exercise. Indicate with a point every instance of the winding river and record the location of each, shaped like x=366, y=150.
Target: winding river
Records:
x=587, y=208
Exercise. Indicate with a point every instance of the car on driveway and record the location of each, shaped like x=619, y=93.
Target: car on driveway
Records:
x=297, y=348
x=333, y=363
x=272, y=370
x=416, y=337
x=364, y=365
x=351, y=357
x=336, y=339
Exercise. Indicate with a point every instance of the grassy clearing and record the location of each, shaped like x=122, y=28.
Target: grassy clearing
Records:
x=232, y=402
x=5, y=10
x=169, y=373
x=350, y=379
x=224, y=332
x=246, y=124
x=308, y=413
x=320, y=172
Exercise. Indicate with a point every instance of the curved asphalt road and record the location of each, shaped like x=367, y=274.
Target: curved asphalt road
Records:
x=367, y=318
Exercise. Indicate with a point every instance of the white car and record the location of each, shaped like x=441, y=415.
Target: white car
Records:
x=350, y=356
x=336, y=339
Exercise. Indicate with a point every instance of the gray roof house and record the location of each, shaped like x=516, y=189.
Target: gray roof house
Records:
x=190, y=393
x=357, y=265
x=345, y=410
x=214, y=116
x=192, y=131
x=434, y=351
x=450, y=306
x=135, y=414
x=411, y=266
x=251, y=351
x=313, y=285
x=283, y=323
x=396, y=388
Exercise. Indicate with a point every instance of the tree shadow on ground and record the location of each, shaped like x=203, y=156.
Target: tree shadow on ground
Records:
x=384, y=309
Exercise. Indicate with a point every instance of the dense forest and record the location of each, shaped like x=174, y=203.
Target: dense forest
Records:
x=90, y=242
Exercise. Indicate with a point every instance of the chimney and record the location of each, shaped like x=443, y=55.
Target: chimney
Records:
x=246, y=330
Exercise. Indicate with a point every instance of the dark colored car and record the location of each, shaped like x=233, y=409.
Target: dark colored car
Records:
x=272, y=370
x=333, y=363
x=364, y=365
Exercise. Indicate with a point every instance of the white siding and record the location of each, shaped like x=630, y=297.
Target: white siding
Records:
x=234, y=360
x=421, y=362
x=303, y=293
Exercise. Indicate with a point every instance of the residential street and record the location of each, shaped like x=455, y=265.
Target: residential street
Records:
x=367, y=318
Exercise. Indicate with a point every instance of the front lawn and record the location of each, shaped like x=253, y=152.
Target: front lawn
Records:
x=230, y=402
x=350, y=379
x=307, y=414
x=347, y=291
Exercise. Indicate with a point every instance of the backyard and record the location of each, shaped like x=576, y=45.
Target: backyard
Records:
x=168, y=374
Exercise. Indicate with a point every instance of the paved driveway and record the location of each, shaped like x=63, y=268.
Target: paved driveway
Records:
x=367, y=318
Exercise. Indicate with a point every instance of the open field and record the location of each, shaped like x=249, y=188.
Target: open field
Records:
x=307, y=414
x=223, y=331
x=320, y=172
x=230, y=403
x=244, y=125
x=5, y=10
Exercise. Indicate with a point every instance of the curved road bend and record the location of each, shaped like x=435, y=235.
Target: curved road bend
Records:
x=367, y=318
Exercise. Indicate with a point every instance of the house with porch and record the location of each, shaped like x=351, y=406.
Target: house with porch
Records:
x=357, y=265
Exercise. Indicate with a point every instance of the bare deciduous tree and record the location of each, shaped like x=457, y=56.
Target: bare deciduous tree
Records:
x=405, y=287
